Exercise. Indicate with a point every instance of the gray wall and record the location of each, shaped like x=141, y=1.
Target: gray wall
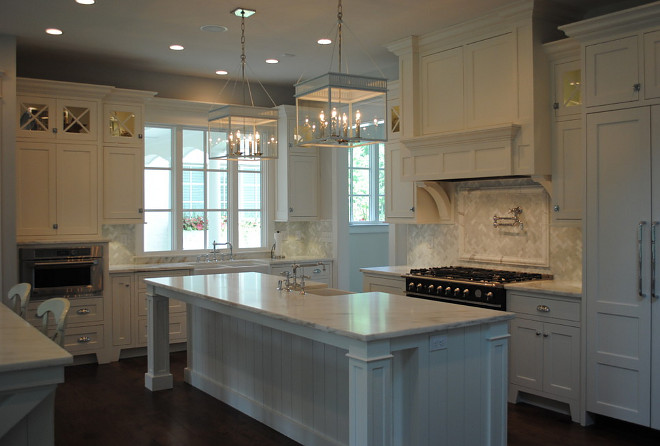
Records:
x=366, y=249
x=8, y=254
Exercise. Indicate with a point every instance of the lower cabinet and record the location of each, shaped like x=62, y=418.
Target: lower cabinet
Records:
x=545, y=350
x=129, y=310
x=386, y=283
x=84, y=332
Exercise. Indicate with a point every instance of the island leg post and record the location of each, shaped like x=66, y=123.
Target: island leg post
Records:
x=158, y=376
x=370, y=395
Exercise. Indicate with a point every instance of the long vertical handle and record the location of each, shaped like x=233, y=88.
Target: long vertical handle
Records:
x=640, y=227
x=653, y=225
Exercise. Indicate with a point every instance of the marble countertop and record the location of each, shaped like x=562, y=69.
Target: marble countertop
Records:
x=23, y=347
x=363, y=316
x=146, y=267
x=555, y=287
x=388, y=270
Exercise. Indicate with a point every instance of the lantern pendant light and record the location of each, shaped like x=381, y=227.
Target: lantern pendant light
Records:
x=243, y=132
x=341, y=110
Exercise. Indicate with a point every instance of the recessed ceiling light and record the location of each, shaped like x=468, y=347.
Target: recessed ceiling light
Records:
x=221, y=72
x=86, y=2
x=176, y=47
x=243, y=12
x=324, y=41
x=213, y=28
x=272, y=61
x=54, y=31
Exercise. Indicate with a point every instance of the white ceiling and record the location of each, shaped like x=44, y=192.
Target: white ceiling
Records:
x=136, y=34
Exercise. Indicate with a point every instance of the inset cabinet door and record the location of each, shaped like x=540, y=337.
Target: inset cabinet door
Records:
x=303, y=186
x=652, y=65
x=123, y=173
x=122, y=124
x=57, y=119
x=612, y=72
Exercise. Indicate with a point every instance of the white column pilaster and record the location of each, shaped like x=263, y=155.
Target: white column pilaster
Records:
x=158, y=376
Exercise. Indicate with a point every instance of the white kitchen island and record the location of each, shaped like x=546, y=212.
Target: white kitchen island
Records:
x=359, y=369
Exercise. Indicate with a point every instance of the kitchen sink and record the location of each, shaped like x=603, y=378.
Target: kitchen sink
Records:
x=327, y=291
x=229, y=266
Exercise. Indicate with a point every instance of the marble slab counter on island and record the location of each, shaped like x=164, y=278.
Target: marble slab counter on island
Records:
x=31, y=366
x=367, y=364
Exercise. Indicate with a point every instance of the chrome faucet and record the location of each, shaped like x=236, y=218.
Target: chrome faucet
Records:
x=231, y=251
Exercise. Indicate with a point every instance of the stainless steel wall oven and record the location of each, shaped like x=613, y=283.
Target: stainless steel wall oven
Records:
x=63, y=271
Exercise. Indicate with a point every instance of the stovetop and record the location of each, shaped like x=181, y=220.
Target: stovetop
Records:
x=477, y=275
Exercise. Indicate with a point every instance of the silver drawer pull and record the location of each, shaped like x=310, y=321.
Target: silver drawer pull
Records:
x=317, y=271
x=84, y=339
x=543, y=308
x=83, y=311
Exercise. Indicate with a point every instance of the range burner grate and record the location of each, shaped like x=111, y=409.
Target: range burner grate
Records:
x=476, y=274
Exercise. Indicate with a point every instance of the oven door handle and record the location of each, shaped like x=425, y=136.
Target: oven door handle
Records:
x=81, y=263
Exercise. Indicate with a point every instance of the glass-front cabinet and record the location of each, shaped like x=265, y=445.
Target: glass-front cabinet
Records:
x=568, y=88
x=62, y=119
x=122, y=124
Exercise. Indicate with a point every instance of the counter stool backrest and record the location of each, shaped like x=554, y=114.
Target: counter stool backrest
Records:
x=59, y=306
x=18, y=298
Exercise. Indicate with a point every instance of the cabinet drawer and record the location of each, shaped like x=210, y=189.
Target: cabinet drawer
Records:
x=540, y=306
x=178, y=329
x=142, y=286
x=83, y=339
x=81, y=311
x=176, y=306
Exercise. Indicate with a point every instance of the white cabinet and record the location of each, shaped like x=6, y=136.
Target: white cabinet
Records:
x=567, y=141
x=545, y=348
x=56, y=189
x=623, y=206
x=123, y=180
x=61, y=119
x=652, y=64
x=385, y=283
x=128, y=292
x=123, y=123
x=399, y=194
x=612, y=72
x=474, y=98
x=567, y=171
x=122, y=287
x=297, y=174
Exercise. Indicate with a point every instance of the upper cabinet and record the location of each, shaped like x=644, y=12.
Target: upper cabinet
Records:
x=474, y=97
x=58, y=111
x=122, y=124
x=298, y=173
x=621, y=60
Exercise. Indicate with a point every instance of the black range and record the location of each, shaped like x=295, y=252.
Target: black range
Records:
x=476, y=287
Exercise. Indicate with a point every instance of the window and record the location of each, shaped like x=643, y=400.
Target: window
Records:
x=366, y=184
x=192, y=201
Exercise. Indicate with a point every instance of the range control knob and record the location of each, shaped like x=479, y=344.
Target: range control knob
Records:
x=448, y=291
x=457, y=292
x=411, y=286
x=466, y=293
x=420, y=287
x=431, y=289
x=489, y=296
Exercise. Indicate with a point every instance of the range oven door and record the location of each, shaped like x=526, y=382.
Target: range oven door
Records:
x=63, y=277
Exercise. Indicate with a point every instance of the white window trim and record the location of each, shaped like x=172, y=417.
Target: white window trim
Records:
x=267, y=199
x=373, y=196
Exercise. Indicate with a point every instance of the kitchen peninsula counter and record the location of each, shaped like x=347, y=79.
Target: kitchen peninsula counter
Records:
x=360, y=369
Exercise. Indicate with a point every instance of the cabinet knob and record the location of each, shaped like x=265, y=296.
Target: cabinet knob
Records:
x=538, y=333
x=412, y=209
x=140, y=211
x=54, y=130
x=555, y=208
x=139, y=135
x=637, y=87
x=55, y=226
x=555, y=106
x=545, y=335
x=290, y=210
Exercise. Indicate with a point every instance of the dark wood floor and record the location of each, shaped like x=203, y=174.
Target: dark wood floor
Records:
x=108, y=405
